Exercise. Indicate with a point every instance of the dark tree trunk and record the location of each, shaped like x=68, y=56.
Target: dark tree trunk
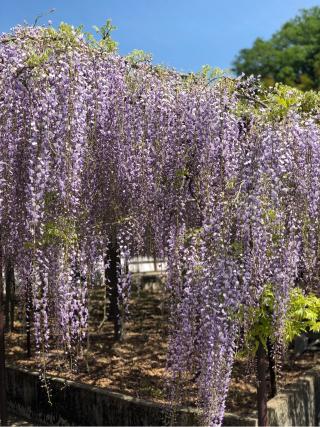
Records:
x=3, y=397
x=262, y=386
x=28, y=319
x=13, y=299
x=272, y=369
x=111, y=276
x=10, y=296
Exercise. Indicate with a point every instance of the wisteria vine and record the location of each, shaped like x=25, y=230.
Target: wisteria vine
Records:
x=94, y=147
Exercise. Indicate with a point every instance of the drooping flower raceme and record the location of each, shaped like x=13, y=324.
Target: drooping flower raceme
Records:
x=93, y=148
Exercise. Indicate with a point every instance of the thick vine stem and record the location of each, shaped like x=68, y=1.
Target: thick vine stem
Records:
x=3, y=399
x=3, y=393
x=262, y=395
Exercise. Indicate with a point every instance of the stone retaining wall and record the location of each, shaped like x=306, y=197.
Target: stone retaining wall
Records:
x=80, y=404
x=298, y=404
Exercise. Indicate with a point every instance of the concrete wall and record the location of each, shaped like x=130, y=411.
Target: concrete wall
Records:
x=298, y=404
x=79, y=404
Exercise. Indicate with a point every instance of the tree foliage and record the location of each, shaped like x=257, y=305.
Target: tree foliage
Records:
x=303, y=315
x=291, y=56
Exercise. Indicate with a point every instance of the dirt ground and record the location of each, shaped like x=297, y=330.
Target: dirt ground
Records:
x=136, y=366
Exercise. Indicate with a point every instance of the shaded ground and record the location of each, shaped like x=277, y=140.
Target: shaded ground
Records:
x=16, y=420
x=136, y=366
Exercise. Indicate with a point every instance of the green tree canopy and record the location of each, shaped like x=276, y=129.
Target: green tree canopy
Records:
x=291, y=56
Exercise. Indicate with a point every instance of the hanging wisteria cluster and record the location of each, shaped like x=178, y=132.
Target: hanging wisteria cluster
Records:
x=93, y=147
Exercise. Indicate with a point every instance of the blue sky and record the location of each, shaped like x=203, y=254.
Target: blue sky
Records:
x=183, y=34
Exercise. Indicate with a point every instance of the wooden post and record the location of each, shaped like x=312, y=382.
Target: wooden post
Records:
x=262, y=386
x=3, y=396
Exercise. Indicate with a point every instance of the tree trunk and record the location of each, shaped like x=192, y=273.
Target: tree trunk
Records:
x=262, y=386
x=272, y=370
x=28, y=319
x=8, y=296
x=10, y=291
x=3, y=399
x=13, y=299
x=111, y=276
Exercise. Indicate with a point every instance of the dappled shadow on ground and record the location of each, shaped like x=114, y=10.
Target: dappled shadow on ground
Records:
x=136, y=366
